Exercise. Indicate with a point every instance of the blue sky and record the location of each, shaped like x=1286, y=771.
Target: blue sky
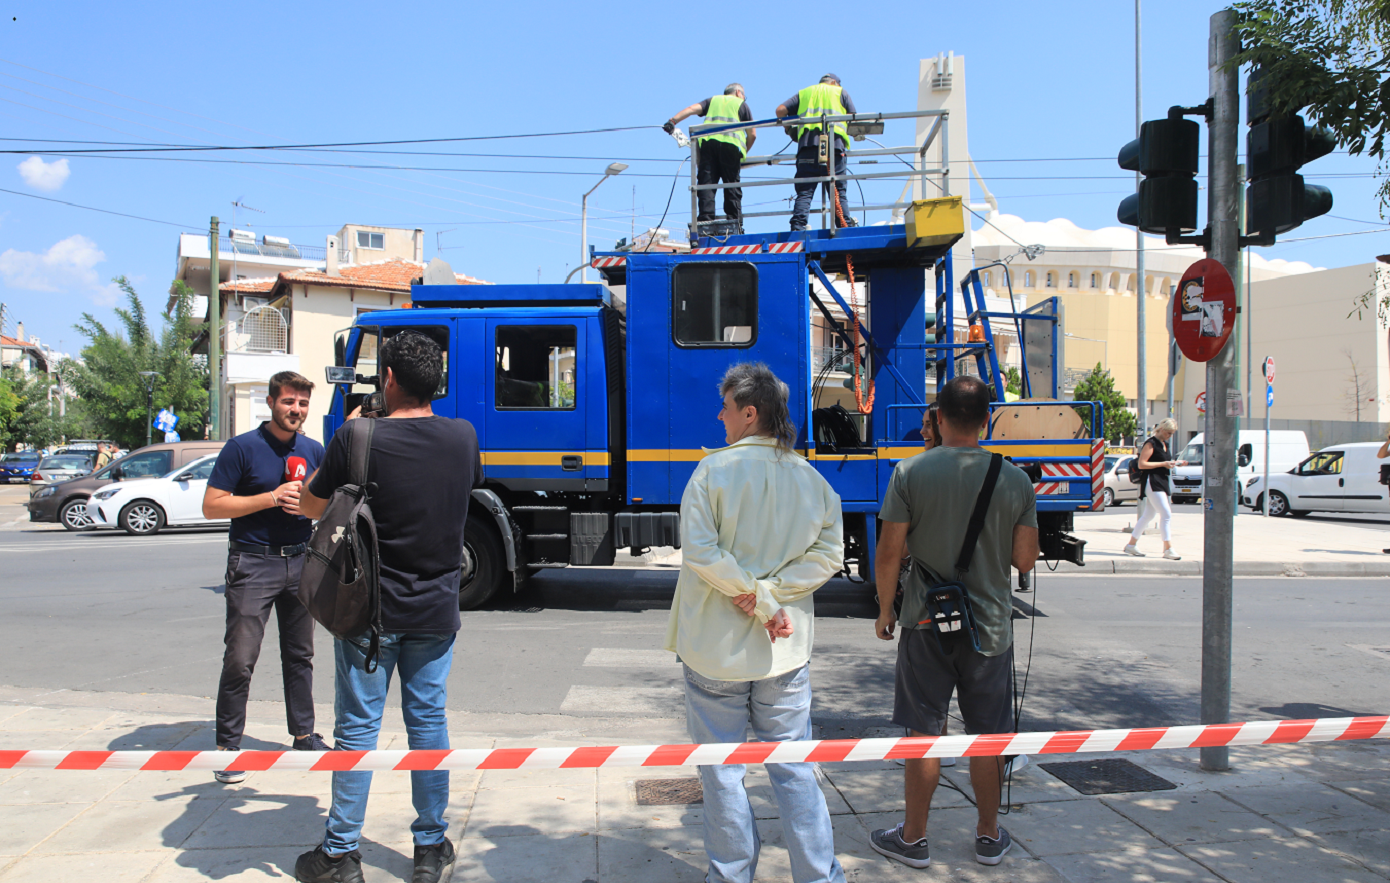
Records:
x=1050, y=103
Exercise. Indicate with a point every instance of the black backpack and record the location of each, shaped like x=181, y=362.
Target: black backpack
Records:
x=341, y=582
x=1136, y=475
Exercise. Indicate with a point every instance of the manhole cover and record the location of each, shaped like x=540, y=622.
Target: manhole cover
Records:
x=669, y=792
x=1107, y=776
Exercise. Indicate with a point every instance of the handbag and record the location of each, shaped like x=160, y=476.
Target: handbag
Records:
x=949, y=612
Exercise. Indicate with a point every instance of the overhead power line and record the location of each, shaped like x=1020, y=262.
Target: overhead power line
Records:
x=91, y=208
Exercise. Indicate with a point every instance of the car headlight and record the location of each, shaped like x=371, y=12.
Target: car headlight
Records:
x=46, y=492
x=1252, y=481
x=105, y=495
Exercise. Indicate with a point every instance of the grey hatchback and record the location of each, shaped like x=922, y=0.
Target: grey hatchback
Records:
x=66, y=502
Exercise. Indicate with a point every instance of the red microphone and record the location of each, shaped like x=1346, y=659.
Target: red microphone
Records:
x=296, y=469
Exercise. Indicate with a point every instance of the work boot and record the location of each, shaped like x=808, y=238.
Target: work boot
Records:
x=320, y=867
x=430, y=861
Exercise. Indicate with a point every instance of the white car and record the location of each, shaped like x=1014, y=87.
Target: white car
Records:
x=1117, y=486
x=1342, y=478
x=147, y=507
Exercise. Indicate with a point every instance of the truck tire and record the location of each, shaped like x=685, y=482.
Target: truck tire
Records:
x=484, y=566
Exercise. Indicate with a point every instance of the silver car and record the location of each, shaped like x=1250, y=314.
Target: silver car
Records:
x=1117, y=486
x=60, y=467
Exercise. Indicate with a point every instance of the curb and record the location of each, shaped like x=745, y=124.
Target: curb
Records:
x=1193, y=567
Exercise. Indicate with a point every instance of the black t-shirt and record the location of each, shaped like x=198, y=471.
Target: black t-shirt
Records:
x=425, y=469
x=253, y=463
x=1156, y=479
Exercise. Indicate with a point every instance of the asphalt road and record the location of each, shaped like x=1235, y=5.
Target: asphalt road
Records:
x=108, y=612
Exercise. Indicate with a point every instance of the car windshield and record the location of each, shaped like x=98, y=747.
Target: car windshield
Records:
x=20, y=458
x=64, y=462
x=1193, y=455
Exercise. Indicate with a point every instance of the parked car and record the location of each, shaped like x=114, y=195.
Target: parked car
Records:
x=66, y=502
x=19, y=466
x=143, y=508
x=1287, y=448
x=1117, y=486
x=1342, y=478
x=61, y=467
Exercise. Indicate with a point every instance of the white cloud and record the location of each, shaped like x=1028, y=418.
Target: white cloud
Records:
x=69, y=265
x=46, y=176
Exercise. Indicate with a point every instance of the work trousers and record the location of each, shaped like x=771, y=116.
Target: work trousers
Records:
x=808, y=165
x=720, y=163
x=255, y=584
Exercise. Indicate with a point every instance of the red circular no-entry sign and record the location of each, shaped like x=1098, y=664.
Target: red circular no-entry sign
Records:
x=1204, y=310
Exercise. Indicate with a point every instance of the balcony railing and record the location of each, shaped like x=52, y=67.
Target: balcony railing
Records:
x=841, y=360
x=251, y=248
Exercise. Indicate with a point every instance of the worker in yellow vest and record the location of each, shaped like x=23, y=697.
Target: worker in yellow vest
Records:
x=826, y=97
x=720, y=156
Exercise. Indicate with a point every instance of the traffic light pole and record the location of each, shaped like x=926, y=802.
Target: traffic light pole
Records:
x=1220, y=499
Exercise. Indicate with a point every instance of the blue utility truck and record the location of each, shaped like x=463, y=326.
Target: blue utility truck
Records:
x=594, y=402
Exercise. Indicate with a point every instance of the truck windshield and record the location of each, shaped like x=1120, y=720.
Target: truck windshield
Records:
x=1193, y=455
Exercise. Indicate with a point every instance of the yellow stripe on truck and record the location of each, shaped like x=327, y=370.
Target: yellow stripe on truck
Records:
x=542, y=458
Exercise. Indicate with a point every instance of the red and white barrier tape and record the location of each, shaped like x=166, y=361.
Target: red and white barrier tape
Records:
x=824, y=751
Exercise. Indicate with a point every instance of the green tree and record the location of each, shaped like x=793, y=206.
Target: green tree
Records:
x=1099, y=386
x=108, y=380
x=1013, y=381
x=27, y=416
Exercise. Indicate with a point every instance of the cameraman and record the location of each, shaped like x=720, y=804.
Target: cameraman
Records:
x=420, y=510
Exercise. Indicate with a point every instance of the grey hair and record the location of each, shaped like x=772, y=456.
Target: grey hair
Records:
x=1167, y=423
x=753, y=383
x=732, y=88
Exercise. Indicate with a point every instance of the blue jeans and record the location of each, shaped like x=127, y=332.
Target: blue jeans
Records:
x=778, y=710
x=808, y=165
x=360, y=701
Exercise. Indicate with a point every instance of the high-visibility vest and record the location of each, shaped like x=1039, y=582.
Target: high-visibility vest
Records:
x=724, y=109
x=821, y=98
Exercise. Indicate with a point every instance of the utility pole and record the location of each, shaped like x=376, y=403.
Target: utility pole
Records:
x=1222, y=187
x=214, y=339
x=1242, y=297
x=1141, y=289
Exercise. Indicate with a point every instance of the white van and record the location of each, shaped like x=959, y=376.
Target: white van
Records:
x=1342, y=478
x=1287, y=448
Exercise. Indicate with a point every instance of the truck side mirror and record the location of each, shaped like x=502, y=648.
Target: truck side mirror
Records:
x=340, y=350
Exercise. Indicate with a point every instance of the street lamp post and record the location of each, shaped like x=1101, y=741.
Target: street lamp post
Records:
x=149, y=403
x=613, y=169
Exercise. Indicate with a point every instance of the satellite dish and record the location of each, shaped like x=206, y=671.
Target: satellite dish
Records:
x=440, y=273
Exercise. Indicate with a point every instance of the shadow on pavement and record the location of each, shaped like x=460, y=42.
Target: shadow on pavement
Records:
x=1311, y=710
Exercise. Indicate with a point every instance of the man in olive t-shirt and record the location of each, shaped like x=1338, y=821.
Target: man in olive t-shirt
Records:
x=925, y=513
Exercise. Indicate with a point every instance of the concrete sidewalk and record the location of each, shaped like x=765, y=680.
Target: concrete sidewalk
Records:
x=1287, y=813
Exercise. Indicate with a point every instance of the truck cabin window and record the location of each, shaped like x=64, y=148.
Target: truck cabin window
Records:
x=714, y=305
x=536, y=367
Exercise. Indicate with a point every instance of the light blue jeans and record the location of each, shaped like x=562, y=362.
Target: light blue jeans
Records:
x=777, y=710
x=360, y=701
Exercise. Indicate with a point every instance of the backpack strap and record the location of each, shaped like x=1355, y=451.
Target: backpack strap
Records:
x=359, y=449
x=977, y=518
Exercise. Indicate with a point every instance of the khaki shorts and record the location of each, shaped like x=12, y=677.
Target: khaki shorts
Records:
x=926, y=676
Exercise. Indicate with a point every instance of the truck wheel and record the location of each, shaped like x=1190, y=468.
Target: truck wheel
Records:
x=484, y=565
x=1278, y=504
x=141, y=518
x=74, y=515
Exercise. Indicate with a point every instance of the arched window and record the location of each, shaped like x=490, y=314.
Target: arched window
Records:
x=1095, y=280
x=1051, y=279
x=1073, y=280
x=1027, y=278
x=1114, y=282
x=985, y=278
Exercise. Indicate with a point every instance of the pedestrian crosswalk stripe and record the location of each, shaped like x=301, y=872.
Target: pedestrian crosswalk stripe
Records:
x=626, y=657
x=660, y=702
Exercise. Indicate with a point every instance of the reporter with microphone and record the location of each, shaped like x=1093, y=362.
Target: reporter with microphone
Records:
x=256, y=483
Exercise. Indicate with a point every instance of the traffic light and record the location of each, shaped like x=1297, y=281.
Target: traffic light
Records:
x=1276, y=147
x=1165, y=153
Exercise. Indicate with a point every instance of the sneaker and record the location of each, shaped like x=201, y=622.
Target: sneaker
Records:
x=889, y=842
x=311, y=742
x=1016, y=763
x=230, y=777
x=1131, y=550
x=1171, y=555
x=948, y=761
x=991, y=852
x=430, y=861
x=320, y=867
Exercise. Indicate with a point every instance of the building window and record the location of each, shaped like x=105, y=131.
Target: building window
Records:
x=1072, y=279
x=714, y=304
x=367, y=239
x=536, y=367
x=985, y=278
x=1095, y=280
x=1051, y=279
x=1027, y=278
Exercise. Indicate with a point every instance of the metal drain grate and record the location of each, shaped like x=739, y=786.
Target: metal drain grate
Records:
x=1107, y=776
x=669, y=792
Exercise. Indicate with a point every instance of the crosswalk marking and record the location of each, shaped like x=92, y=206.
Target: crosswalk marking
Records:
x=72, y=545
x=666, y=702
x=624, y=657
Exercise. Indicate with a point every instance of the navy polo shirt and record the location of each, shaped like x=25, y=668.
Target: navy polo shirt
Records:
x=254, y=463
